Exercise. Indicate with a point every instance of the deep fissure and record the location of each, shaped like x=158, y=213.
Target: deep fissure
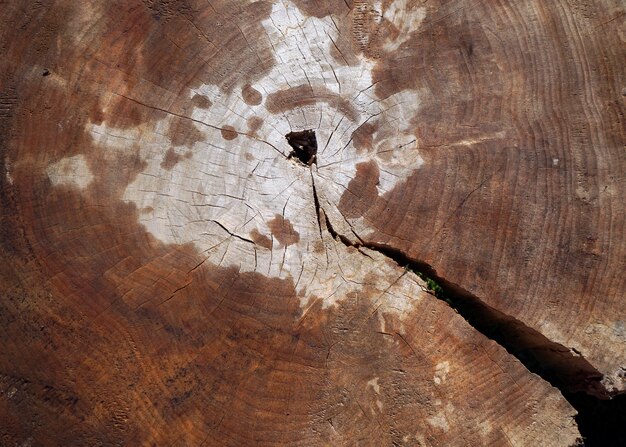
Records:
x=601, y=417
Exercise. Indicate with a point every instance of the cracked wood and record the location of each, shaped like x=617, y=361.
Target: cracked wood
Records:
x=173, y=276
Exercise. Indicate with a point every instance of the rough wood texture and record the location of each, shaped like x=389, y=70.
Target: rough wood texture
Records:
x=183, y=265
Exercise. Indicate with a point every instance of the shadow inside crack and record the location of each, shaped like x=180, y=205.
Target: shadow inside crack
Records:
x=304, y=145
x=601, y=417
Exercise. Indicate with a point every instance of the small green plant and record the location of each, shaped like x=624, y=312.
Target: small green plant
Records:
x=435, y=287
x=431, y=284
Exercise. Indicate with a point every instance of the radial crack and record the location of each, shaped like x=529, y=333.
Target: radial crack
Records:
x=599, y=410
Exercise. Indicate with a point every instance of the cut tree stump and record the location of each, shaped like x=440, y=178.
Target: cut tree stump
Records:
x=312, y=223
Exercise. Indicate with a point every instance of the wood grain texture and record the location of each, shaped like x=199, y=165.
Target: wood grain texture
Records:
x=520, y=200
x=171, y=276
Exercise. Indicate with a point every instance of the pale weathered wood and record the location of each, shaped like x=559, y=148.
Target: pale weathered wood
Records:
x=175, y=275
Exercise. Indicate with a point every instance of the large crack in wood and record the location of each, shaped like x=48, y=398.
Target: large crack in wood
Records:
x=601, y=412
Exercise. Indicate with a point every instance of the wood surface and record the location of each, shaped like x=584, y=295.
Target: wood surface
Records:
x=310, y=223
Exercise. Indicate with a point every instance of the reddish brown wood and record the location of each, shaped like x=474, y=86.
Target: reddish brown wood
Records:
x=171, y=276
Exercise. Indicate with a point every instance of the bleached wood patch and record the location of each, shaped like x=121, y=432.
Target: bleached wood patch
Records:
x=226, y=192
